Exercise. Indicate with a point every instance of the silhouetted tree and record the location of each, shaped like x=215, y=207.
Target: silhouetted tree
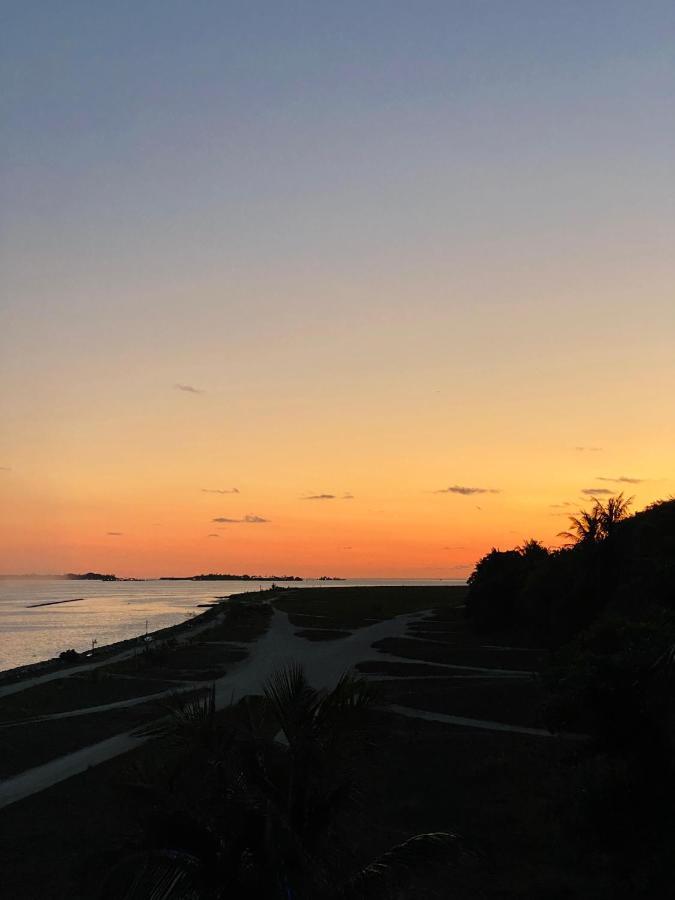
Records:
x=497, y=582
x=585, y=528
x=593, y=525
x=615, y=510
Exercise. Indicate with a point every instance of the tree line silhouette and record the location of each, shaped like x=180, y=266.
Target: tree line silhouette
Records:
x=605, y=605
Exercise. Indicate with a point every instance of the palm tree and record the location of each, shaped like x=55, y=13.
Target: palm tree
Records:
x=585, y=528
x=594, y=525
x=614, y=511
x=323, y=731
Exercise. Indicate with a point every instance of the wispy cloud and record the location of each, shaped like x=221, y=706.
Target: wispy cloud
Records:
x=560, y=505
x=345, y=496
x=466, y=491
x=588, y=449
x=115, y=533
x=453, y=548
x=213, y=535
x=622, y=479
x=5, y=468
x=247, y=520
x=220, y=491
x=189, y=389
x=592, y=492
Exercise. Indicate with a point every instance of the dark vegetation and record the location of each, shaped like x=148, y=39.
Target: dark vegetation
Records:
x=605, y=605
x=256, y=803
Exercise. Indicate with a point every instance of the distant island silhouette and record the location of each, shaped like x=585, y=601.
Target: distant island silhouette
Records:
x=90, y=576
x=229, y=577
x=212, y=576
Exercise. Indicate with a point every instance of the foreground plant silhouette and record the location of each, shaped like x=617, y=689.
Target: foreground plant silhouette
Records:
x=264, y=815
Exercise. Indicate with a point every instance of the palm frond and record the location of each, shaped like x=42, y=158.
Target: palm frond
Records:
x=292, y=699
x=163, y=875
x=403, y=864
x=192, y=716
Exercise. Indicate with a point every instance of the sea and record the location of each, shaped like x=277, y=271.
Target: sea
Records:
x=108, y=611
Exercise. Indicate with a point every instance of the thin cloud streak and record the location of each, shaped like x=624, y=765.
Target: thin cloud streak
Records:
x=247, y=520
x=346, y=496
x=188, y=389
x=591, y=492
x=115, y=533
x=622, y=479
x=464, y=491
x=219, y=491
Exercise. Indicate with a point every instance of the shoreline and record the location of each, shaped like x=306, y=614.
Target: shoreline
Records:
x=53, y=664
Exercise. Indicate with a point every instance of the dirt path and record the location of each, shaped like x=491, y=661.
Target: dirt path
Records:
x=186, y=687
x=477, y=723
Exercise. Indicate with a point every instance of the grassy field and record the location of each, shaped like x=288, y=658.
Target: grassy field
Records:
x=355, y=606
x=93, y=688
x=25, y=746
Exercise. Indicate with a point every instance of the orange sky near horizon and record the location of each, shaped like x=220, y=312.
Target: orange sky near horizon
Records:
x=129, y=501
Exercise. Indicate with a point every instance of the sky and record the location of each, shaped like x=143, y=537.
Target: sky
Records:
x=356, y=289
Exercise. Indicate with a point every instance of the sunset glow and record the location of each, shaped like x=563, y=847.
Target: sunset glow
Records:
x=342, y=262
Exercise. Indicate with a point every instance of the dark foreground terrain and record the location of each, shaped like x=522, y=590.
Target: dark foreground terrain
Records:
x=456, y=743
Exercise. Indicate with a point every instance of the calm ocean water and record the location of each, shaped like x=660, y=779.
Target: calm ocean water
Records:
x=110, y=611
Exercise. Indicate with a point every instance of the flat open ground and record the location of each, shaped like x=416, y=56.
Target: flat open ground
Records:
x=499, y=788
